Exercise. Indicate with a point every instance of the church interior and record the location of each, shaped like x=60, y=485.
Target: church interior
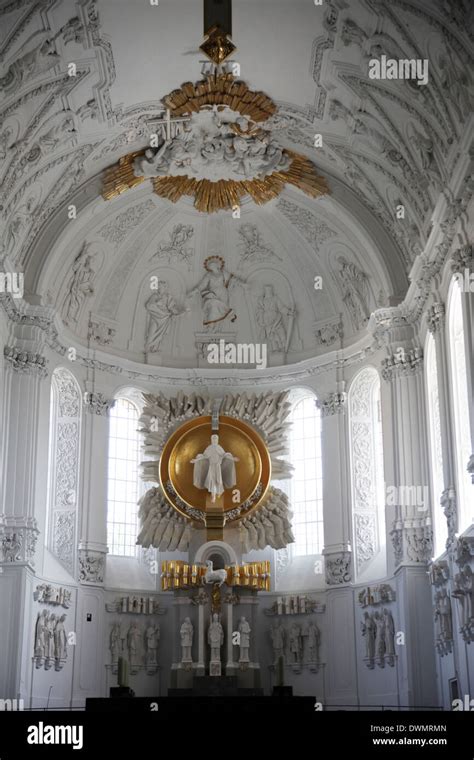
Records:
x=237, y=340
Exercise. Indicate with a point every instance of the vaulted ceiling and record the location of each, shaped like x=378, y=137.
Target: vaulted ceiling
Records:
x=385, y=144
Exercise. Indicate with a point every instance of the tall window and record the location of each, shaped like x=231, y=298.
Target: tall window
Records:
x=436, y=453
x=306, y=486
x=460, y=405
x=63, y=475
x=368, y=502
x=122, y=493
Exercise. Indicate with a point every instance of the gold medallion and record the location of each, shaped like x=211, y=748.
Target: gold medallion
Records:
x=253, y=469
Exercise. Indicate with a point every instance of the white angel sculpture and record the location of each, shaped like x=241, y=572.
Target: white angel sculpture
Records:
x=214, y=469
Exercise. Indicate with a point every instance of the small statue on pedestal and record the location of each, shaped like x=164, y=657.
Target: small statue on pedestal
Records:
x=215, y=639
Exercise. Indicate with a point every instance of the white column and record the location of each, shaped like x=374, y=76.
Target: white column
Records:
x=462, y=262
x=436, y=325
x=402, y=369
x=334, y=432
x=25, y=382
x=93, y=532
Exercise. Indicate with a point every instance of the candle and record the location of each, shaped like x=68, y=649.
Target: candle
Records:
x=279, y=605
x=124, y=603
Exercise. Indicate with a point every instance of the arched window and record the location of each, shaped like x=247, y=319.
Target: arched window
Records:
x=123, y=487
x=63, y=477
x=366, y=451
x=306, y=485
x=436, y=453
x=460, y=401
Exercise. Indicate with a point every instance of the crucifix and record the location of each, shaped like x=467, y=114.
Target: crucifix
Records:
x=167, y=128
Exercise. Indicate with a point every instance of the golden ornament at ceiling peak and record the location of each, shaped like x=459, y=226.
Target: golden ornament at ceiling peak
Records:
x=217, y=46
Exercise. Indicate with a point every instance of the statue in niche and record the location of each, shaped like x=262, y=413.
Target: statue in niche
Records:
x=49, y=637
x=80, y=284
x=355, y=284
x=186, y=633
x=214, y=291
x=389, y=628
x=133, y=637
x=244, y=630
x=152, y=638
x=369, y=632
x=215, y=638
x=379, y=620
x=463, y=593
x=40, y=636
x=114, y=643
x=313, y=636
x=60, y=641
x=270, y=319
x=277, y=633
x=295, y=643
x=214, y=469
x=161, y=309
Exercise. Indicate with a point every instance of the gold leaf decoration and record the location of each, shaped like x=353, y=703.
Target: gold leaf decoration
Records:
x=225, y=194
x=120, y=177
x=209, y=195
x=224, y=89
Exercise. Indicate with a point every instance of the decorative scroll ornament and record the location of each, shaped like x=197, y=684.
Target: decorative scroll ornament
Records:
x=221, y=152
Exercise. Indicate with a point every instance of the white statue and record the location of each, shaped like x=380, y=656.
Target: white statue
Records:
x=214, y=469
x=214, y=576
x=114, y=643
x=295, y=643
x=380, y=636
x=80, y=285
x=355, y=285
x=60, y=640
x=186, y=633
x=277, y=633
x=49, y=637
x=463, y=593
x=133, y=637
x=244, y=630
x=389, y=635
x=40, y=634
x=152, y=638
x=214, y=291
x=313, y=635
x=369, y=632
x=270, y=319
x=215, y=638
x=161, y=309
